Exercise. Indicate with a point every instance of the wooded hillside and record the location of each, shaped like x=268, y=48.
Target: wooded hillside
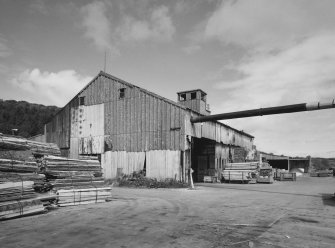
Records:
x=323, y=163
x=27, y=117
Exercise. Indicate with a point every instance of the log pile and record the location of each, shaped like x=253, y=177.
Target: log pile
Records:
x=243, y=172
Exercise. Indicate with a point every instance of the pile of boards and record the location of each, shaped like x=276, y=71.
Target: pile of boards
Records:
x=17, y=196
x=243, y=172
x=11, y=165
x=324, y=173
x=74, y=181
x=8, y=142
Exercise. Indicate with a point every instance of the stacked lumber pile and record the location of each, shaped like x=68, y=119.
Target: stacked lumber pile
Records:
x=78, y=196
x=75, y=181
x=10, y=165
x=240, y=171
x=41, y=148
x=11, y=176
x=8, y=142
x=72, y=171
x=17, y=198
x=12, y=143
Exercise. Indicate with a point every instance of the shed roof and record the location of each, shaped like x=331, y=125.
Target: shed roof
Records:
x=188, y=91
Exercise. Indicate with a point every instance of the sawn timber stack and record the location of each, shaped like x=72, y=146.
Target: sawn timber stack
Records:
x=75, y=181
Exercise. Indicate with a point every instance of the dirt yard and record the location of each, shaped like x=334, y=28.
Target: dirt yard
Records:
x=285, y=214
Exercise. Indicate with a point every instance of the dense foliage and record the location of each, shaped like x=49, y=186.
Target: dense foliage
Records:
x=323, y=163
x=28, y=118
x=139, y=180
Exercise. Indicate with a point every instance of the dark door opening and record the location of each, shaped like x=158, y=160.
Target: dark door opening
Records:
x=202, y=158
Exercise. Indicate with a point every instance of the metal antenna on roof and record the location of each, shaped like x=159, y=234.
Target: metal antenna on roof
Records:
x=105, y=62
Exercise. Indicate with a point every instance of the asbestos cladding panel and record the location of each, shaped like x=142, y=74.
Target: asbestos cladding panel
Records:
x=74, y=151
x=92, y=121
x=208, y=130
x=117, y=163
x=224, y=135
x=193, y=130
x=162, y=164
x=91, y=129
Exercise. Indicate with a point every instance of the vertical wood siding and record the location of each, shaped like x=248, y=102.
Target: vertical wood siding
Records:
x=139, y=122
x=58, y=130
x=142, y=121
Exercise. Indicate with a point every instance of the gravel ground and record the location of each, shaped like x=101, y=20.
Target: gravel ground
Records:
x=284, y=214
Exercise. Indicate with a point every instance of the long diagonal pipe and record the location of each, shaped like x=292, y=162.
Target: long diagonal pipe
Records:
x=265, y=111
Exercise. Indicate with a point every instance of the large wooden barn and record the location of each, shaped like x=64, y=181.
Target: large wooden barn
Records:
x=132, y=129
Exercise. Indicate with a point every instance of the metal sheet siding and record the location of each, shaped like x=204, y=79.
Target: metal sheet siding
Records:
x=218, y=132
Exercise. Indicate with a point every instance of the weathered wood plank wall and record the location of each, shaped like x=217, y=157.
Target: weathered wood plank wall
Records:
x=140, y=121
x=218, y=132
x=58, y=130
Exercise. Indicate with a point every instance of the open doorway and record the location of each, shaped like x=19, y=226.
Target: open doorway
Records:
x=202, y=158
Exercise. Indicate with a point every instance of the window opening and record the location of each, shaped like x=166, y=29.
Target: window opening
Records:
x=81, y=100
x=203, y=97
x=193, y=95
x=122, y=92
x=182, y=97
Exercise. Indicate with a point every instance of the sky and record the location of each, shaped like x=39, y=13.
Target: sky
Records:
x=244, y=54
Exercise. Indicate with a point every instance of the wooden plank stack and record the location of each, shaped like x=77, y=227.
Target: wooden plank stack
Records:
x=8, y=142
x=243, y=172
x=71, y=197
x=10, y=165
x=75, y=181
x=40, y=148
x=63, y=168
x=18, y=198
x=12, y=143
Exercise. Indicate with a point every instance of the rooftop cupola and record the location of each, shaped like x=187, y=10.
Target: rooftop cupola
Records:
x=194, y=100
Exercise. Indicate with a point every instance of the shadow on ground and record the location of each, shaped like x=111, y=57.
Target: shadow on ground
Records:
x=328, y=199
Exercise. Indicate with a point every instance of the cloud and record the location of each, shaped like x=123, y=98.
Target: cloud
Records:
x=267, y=25
x=303, y=73
x=307, y=68
x=97, y=26
x=49, y=88
x=109, y=26
x=157, y=27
